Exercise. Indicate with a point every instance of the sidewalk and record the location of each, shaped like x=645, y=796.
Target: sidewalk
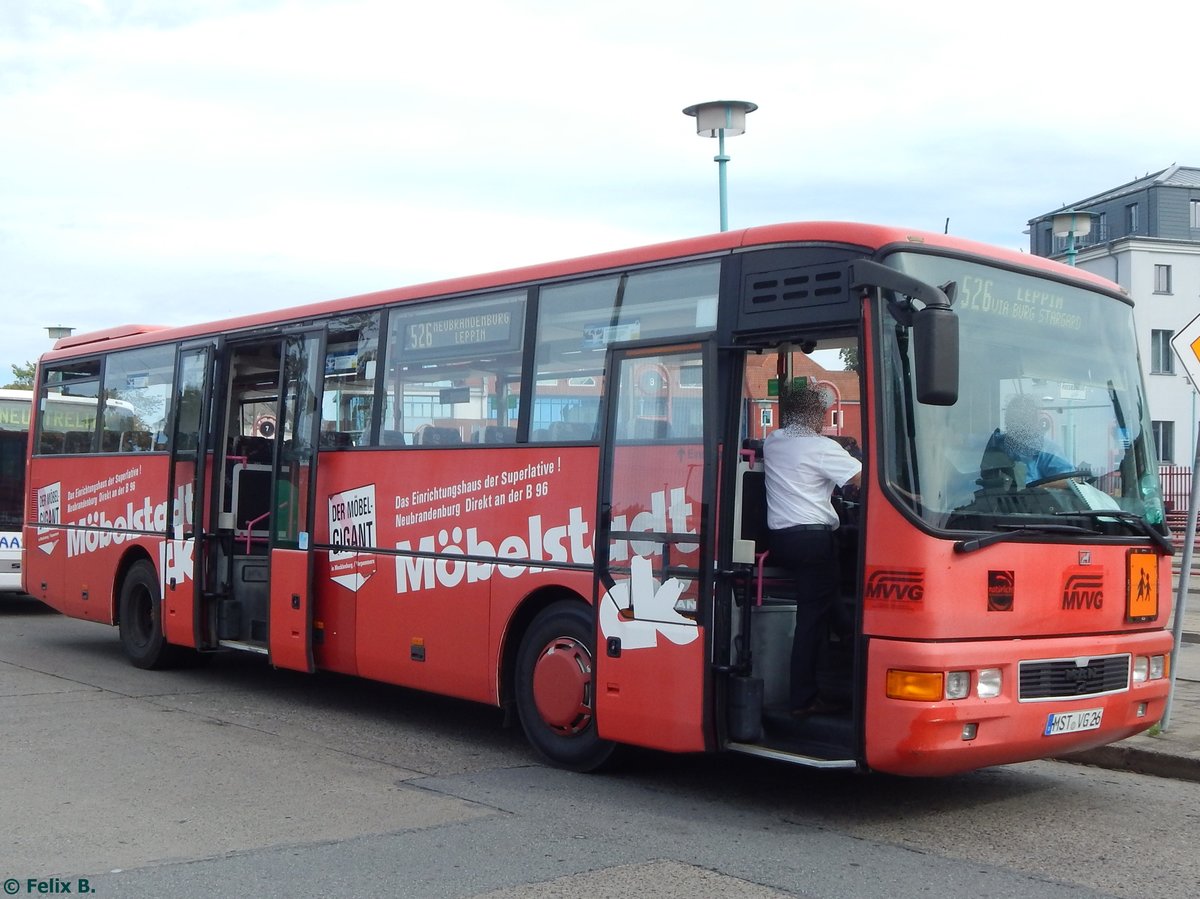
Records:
x=1174, y=752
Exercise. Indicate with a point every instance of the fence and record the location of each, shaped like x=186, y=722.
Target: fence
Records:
x=1176, y=486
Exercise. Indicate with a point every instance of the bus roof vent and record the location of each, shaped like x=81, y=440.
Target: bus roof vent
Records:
x=796, y=295
x=796, y=287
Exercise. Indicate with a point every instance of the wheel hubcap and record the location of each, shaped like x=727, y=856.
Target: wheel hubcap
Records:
x=562, y=686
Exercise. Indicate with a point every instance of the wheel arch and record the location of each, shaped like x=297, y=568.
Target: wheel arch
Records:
x=131, y=557
x=518, y=625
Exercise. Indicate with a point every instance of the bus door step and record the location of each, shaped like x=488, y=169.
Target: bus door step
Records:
x=246, y=647
x=791, y=757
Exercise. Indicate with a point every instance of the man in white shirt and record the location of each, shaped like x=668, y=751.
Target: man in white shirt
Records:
x=802, y=469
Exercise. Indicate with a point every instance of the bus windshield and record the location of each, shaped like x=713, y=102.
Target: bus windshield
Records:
x=1051, y=424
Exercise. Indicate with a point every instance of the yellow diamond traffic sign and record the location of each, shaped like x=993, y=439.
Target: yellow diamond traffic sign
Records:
x=1186, y=344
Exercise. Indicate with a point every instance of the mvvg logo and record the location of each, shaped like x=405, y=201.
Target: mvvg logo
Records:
x=897, y=585
x=1083, y=591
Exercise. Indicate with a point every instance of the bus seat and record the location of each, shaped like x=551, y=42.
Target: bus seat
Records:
x=753, y=523
x=754, y=508
x=336, y=439
x=499, y=434
x=752, y=539
x=250, y=501
x=651, y=429
x=569, y=430
x=430, y=435
x=392, y=438
x=135, y=441
x=254, y=448
x=78, y=442
x=51, y=443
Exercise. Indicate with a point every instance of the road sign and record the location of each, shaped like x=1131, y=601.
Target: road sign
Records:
x=1186, y=344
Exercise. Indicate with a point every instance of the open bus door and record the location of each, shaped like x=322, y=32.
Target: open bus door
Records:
x=290, y=615
x=653, y=547
x=183, y=551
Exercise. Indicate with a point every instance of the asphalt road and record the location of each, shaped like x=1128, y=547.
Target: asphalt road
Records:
x=233, y=779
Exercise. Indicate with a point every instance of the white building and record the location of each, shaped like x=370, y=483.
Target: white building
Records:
x=1145, y=236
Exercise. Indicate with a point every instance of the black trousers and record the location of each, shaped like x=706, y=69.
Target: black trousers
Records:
x=812, y=557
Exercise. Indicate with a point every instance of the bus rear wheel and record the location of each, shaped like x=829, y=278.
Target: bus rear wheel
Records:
x=556, y=688
x=140, y=619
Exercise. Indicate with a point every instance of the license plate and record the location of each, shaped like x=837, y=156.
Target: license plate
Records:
x=1070, y=722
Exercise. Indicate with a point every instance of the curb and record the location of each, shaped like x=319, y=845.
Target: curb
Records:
x=1139, y=761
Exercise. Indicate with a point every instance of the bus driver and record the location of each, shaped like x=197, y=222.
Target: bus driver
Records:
x=802, y=468
x=1022, y=454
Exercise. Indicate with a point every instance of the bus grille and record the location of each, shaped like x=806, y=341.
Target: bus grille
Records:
x=1072, y=678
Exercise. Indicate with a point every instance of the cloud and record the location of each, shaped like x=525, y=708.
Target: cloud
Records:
x=166, y=159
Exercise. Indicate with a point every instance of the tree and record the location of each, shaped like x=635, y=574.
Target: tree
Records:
x=22, y=377
x=849, y=357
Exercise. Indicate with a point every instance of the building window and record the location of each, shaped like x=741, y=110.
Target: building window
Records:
x=1131, y=218
x=1162, y=279
x=1164, y=440
x=1162, y=360
x=1195, y=221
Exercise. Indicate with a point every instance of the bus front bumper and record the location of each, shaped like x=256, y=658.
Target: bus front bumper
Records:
x=946, y=736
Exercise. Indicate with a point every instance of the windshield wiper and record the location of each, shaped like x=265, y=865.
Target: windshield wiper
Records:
x=1037, y=530
x=1131, y=518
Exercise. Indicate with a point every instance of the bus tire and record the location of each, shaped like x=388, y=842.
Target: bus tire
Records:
x=555, y=687
x=140, y=619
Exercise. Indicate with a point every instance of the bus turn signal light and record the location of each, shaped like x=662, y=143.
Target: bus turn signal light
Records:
x=915, y=686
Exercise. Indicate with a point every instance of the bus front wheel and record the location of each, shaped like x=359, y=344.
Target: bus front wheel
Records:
x=556, y=688
x=140, y=619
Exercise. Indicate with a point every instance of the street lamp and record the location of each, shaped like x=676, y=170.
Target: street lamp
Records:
x=57, y=331
x=1070, y=224
x=716, y=119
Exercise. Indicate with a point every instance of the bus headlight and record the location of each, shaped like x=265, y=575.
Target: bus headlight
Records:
x=1149, y=668
x=958, y=684
x=991, y=682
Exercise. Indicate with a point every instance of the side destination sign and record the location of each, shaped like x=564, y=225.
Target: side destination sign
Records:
x=496, y=327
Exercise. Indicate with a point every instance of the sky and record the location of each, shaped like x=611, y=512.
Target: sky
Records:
x=175, y=161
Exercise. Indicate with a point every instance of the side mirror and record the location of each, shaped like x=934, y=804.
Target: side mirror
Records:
x=934, y=327
x=935, y=339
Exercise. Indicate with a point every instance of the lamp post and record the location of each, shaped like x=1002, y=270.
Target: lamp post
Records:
x=54, y=332
x=716, y=119
x=1071, y=223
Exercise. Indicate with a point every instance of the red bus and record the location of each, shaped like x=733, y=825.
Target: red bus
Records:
x=539, y=489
